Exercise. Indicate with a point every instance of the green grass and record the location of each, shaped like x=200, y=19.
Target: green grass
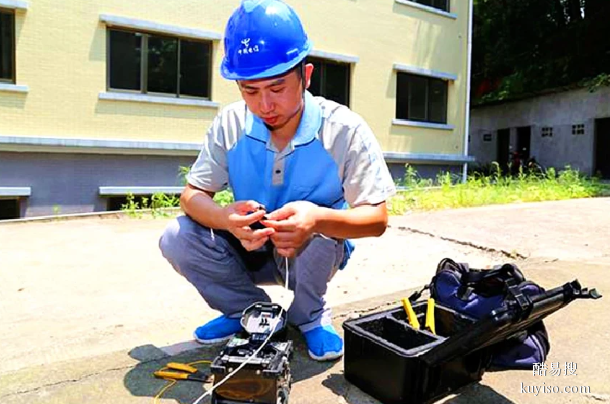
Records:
x=161, y=205
x=445, y=192
x=224, y=198
x=479, y=190
x=158, y=204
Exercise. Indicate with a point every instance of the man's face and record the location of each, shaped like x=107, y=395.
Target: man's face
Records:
x=276, y=100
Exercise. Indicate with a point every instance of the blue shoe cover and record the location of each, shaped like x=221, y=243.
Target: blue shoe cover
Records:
x=324, y=343
x=218, y=330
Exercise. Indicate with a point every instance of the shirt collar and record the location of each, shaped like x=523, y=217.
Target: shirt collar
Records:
x=306, y=132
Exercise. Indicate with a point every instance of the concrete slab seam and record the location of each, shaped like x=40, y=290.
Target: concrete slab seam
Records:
x=599, y=397
x=61, y=382
x=513, y=254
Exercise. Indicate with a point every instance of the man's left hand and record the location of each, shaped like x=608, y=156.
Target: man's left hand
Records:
x=294, y=223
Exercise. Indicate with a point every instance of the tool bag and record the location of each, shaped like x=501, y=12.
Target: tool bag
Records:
x=478, y=292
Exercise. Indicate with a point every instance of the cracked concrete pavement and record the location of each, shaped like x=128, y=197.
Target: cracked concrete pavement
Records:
x=89, y=308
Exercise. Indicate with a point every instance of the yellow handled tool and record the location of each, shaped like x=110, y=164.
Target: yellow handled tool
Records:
x=430, y=326
x=165, y=374
x=182, y=366
x=187, y=372
x=411, y=316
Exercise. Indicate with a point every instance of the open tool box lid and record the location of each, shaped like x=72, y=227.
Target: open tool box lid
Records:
x=500, y=324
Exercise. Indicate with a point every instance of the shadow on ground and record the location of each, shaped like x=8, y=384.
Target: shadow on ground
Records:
x=141, y=382
x=474, y=393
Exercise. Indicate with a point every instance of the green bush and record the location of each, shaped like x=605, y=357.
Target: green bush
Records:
x=159, y=205
x=446, y=191
x=486, y=189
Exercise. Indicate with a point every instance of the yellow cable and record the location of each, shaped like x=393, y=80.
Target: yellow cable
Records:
x=163, y=390
x=173, y=382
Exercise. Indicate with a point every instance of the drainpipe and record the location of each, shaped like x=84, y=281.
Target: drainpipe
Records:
x=468, y=74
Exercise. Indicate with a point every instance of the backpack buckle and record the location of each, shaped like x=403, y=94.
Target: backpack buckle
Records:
x=518, y=300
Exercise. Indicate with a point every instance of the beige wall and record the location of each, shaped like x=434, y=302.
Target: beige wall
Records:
x=61, y=57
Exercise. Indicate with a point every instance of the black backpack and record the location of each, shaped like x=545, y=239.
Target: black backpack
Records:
x=477, y=293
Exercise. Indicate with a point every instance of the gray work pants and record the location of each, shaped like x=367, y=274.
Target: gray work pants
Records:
x=226, y=275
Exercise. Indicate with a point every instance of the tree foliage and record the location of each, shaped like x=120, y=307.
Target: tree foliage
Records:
x=527, y=46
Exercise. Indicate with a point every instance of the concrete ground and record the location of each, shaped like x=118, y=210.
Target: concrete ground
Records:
x=89, y=308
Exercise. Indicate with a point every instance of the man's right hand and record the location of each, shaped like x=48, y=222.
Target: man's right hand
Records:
x=238, y=218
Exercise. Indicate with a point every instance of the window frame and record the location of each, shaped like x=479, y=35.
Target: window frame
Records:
x=348, y=83
x=578, y=129
x=427, y=97
x=448, y=10
x=429, y=9
x=145, y=35
x=546, y=131
x=13, y=78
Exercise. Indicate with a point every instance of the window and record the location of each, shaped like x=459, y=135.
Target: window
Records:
x=7, y=46
x=421, y=98
x=440, y=4
x=547, y=131
x=9, y=209
x=156, y=64
x=330, y=80
x=578, y=129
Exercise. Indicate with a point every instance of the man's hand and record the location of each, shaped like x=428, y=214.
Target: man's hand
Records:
x=238, y=220
x=294, y=224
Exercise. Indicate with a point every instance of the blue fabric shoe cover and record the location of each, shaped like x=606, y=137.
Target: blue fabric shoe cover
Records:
x=218, y=330
x=324, y=343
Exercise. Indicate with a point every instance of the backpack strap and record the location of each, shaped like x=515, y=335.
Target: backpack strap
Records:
x=447, y=264
x=417, y=294
x=458, y=269
x=506, y=271
x=444, y=265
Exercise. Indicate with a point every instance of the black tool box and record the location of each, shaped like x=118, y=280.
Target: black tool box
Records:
x=397, y=364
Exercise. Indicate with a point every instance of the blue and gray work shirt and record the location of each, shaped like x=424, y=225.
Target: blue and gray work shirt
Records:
x=334, y=160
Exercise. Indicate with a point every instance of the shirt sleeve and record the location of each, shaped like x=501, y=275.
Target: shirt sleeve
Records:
x=366, y=179
x=210, y=172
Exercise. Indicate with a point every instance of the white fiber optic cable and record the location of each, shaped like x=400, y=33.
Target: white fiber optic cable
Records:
x=227, y=377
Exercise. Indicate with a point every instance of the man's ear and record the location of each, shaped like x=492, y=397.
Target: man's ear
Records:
x=307, y=71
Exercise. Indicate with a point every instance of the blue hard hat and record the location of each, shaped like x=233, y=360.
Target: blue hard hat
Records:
x=263, y=38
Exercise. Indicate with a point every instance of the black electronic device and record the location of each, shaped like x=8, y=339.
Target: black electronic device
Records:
x=266, y=378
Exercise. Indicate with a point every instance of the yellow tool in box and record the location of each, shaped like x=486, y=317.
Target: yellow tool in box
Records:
x=412, y=317
x=430, y=323
x=186, y=372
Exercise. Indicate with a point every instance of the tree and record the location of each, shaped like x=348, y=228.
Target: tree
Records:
x=528, y=46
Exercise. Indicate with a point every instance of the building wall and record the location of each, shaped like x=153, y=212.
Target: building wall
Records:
x=61, y=57
x=69, y=183
x=559, y=111
x=382, y=33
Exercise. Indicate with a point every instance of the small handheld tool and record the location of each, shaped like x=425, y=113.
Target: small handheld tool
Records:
x=257, y=225
x=411, y=316
x=430, y=323
x=186, y=372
